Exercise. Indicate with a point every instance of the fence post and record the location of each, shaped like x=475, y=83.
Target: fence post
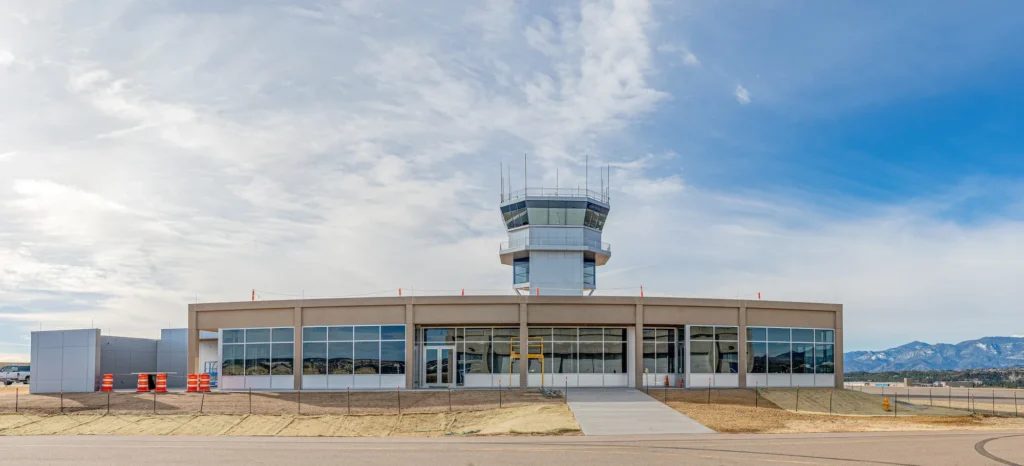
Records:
x=709, y=390
x=896, y=405
x=567, y=390
x=830, y=401
x=108, y=402
x=202, y=401
x=666, y=392
x=930, y=397
x=348, y=399
x=950, y=399
x=993, y=402
x=62, y=401
x=399, y=400
x=499, y=393
x=1015, y=404
x=16, y=398
x=449, y=398
x=250, y=400
x=757, y=392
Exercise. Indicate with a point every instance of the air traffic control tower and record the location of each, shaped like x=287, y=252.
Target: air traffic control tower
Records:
x=554, y=239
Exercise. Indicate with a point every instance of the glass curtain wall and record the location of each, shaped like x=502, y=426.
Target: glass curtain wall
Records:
x=659, y=348
x=567, y=350
x=714, y=349
x=775, y=350
x=257, y=351
x=478, y=351
x=358, y=349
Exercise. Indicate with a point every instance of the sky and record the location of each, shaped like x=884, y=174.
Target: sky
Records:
x=155, y=154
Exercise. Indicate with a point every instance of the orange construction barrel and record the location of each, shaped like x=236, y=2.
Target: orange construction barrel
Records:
x=108, y=383
x=161, y=383
x=204, y=383
x=143, y=386
x=193, y=383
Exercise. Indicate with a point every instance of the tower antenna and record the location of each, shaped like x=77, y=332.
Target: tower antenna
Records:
x=526, y=178
x=586, y=173
x=501, y=171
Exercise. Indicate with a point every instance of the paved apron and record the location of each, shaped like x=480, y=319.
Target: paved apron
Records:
x=627, y=411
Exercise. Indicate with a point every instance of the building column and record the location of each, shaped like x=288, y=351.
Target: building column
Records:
x=742, y=349
x=638, y=343
x=297, y=365
x=524, y=347
x=410, y=346
x=838, y=348
x=193, y=341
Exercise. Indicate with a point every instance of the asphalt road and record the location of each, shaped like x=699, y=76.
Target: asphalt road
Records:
x=917, y=448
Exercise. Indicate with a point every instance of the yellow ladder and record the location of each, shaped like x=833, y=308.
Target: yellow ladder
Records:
x=530, y=345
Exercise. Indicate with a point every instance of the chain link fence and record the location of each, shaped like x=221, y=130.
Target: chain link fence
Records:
x=15, y=399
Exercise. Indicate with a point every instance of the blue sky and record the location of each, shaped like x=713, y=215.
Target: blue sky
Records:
x=153, y=154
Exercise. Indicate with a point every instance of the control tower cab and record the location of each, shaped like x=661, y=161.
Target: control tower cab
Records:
x=554, y=239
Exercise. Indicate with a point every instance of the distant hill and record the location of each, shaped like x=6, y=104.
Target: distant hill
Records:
x=983, y=353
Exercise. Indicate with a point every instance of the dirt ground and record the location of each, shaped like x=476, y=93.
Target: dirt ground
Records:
x=849, y=402
x=534, y=419
x=734, y=411
x=305, y=403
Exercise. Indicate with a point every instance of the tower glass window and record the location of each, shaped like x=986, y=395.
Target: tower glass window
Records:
x=589, y=275
x=521, y=270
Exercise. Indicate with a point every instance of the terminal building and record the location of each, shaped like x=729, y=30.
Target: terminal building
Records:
x=551, y=333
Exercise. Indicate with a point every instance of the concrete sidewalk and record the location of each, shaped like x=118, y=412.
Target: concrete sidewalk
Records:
x=627, y=411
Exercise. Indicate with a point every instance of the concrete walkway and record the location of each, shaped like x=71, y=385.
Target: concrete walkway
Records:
x=627, y=411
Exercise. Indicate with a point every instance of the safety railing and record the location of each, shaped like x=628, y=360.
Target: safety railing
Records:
x=555, y=192
x=524, y=242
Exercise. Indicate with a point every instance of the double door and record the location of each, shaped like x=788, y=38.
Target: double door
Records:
x=438, y=366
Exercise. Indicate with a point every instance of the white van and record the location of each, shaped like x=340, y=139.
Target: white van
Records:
x=14, y=374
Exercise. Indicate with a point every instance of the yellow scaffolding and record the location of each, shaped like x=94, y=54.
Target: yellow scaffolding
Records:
x=514, y=354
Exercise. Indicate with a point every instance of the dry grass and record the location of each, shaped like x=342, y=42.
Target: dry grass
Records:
x=733, y=411
x=276, y=403
x=539, y=419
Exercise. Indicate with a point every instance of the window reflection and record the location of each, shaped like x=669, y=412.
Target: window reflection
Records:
x=250, y=351
x=359, y=349
x=772, y=345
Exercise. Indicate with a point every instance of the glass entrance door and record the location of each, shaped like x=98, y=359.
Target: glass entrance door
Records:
x=438, y=365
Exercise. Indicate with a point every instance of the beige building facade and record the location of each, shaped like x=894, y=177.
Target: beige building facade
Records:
x=517, y=341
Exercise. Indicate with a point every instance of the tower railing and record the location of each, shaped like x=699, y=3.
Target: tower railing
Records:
x=524, y=242
x=555, y=192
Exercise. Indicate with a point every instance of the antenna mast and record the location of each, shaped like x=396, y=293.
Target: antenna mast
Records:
x=586, y=173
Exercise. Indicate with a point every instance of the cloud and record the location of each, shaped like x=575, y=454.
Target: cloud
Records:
x=6, y=59
x=688, y=58
x=742, y=95
x=182, y=167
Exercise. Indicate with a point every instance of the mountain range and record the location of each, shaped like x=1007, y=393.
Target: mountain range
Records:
x=983, y=353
